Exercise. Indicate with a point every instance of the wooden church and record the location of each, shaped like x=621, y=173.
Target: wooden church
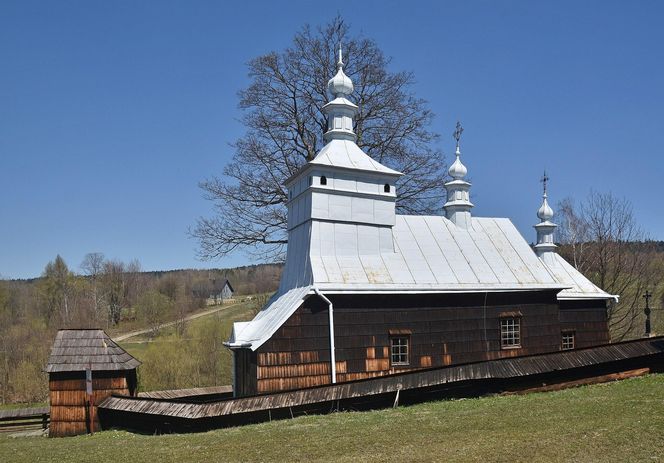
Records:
x=366, y=292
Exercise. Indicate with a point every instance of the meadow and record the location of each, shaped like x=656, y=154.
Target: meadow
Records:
x=614, y=422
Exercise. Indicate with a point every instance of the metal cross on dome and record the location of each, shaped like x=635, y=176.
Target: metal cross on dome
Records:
x=457, y=133
x=647, y=297
x=544, y=179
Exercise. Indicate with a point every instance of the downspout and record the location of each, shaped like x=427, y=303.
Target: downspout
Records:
x=330, y=312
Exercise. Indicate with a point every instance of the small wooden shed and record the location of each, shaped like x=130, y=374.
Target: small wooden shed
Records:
x=111, y=369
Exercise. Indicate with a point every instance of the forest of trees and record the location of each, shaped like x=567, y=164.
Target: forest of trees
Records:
x=109, y=294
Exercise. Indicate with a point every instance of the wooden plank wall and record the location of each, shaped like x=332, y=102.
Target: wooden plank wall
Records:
x=244, y=364
x=68, y=399
x=587, y=319
x=444, y=330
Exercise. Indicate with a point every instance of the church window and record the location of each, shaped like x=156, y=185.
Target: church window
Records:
x=323, y=180
x=386, y=188
x=399, y=350
x=568, y=340
x=510, y=332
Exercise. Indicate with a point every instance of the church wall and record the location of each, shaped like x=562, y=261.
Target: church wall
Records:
x=588, y=320
x=442, y=330
x=244, y=372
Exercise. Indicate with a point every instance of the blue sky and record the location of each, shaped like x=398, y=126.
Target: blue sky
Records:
x=112, y=112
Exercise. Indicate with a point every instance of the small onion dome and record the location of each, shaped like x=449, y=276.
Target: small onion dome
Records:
x=545, y=213
x=340, y=84
x=457, y=169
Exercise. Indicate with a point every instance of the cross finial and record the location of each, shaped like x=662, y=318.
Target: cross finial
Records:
x=340, y=62
x=647, y=297
x=457, y=133
x=544, y=179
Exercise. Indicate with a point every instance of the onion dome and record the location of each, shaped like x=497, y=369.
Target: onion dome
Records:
x=545, y=229
x=340, y=111
x=458, y=205
x=457, y=170
x=340, y=85
x=545, y=213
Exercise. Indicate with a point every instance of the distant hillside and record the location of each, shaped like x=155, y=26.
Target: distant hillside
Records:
x=250, y=279
x=118, y=297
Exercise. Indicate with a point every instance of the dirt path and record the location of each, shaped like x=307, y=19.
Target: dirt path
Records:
x=131, y=334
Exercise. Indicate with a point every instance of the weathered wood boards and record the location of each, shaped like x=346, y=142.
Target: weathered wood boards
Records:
x=472, y=379
x=23, y=419
x=70, y=413
x=442, y=329
x=77, y=352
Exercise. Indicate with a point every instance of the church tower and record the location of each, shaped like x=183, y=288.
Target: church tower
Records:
x=545, y=245
x=342, y=202
x=458, y=205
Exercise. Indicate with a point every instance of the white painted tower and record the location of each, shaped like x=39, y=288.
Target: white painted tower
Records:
x=545, y=228
x=342, y=202
x=458, y=205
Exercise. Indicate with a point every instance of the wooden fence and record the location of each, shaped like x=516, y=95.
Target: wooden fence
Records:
x=24, y=419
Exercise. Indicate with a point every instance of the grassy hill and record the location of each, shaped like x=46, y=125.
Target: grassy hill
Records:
x=615, y=422
x=194, y=358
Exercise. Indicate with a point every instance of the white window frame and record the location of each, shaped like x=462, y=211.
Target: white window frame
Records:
x=566, y=344
x=401, y=350
x=510, y=332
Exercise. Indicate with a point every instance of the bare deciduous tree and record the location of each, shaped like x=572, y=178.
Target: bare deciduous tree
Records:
x=57, y=287
x=93, y=266
x=601, y=238
x=154, y=308
x=115, y=288
x=285, y=124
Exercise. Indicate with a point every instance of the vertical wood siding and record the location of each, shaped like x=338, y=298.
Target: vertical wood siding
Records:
x=68, y=398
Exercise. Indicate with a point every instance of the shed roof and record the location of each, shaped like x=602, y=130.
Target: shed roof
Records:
x=77, y=350
x=563, y=363
x=281, y=306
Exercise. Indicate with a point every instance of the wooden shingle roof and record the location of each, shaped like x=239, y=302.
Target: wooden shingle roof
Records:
x=77, y=350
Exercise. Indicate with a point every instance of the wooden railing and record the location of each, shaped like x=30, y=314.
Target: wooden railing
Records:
x=24, y=419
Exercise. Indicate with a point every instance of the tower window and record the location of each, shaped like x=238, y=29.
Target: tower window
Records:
x=323, y=180
x=386, y=188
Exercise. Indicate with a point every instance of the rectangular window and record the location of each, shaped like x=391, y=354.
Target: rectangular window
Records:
x=568, y=341
x=510, y=332
x=399, y=350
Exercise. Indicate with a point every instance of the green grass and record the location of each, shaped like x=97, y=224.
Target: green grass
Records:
x=616, y=422
x=242, y=311
x=172, y=362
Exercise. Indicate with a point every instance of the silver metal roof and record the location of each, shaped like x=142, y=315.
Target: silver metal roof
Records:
x=425, y=253
x=346, y=154
x=345, y=237
x=578, y=286
x=419, y=254
x=278, y=309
